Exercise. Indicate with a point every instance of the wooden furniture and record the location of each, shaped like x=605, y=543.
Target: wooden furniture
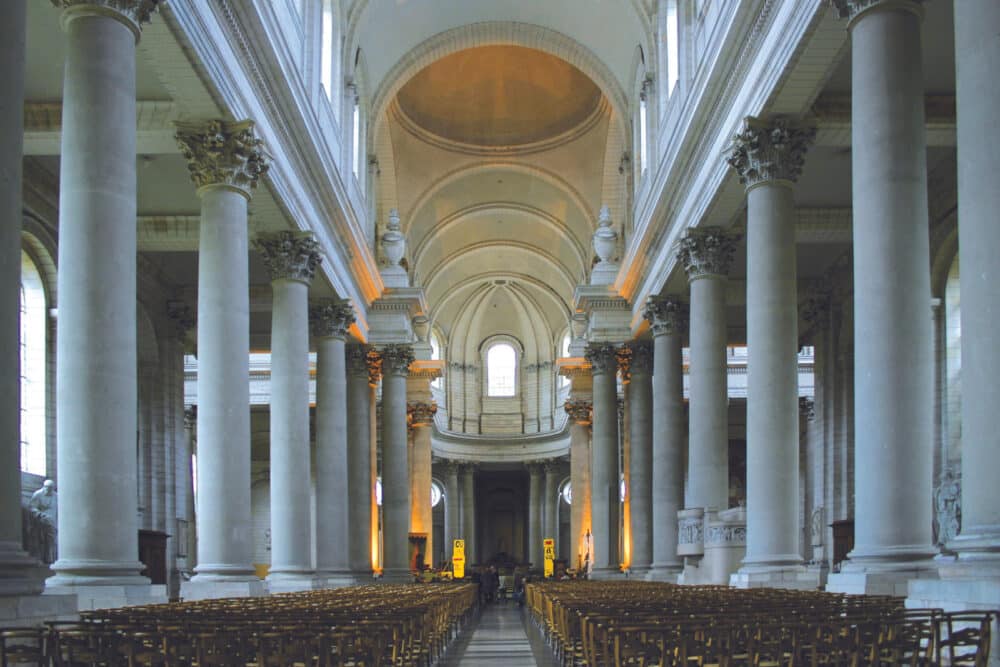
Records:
x=153, y=554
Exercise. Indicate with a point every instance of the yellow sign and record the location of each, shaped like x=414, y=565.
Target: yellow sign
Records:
x=458, y=559
x=549, y=544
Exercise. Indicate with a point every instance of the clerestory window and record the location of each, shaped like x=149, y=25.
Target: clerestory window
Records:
x=501, y=370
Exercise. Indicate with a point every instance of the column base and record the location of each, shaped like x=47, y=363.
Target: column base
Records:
x=607, y=574
x=393, y=576
x=29, y=610
x=862, y=578
x=363, y=578
x=667, y=572
x=20, y=573
x=94, y=572
x=335, y=579
x=222, y=588
x=288, y=583
x=796, y=577
x=108, y=596
x=637, y=572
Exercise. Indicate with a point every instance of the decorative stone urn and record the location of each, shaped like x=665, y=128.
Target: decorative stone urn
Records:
x=393, y=248
x=605, y=242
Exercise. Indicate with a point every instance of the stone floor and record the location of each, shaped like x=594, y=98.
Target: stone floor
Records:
x=502, y=637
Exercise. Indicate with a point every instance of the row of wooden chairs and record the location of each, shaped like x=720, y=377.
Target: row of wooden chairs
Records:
x=385, y=625
x=604, y=624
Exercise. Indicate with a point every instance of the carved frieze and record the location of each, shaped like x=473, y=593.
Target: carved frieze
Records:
x=689, y=530
x=726, y=535
x=769, y=151
x=330, y=318
x=396, y=359
x=707, y=251
x=665, y=314
x=223, y=153
x=289, y=255
x=602, y=357
x=948, y=507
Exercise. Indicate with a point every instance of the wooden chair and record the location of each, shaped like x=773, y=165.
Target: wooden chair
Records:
x=23, y=646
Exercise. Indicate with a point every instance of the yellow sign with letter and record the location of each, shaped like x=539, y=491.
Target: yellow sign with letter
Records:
x=549, y=544
x=458, y=559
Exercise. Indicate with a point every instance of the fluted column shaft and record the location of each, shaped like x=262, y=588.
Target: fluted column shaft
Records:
x=768, y=157
x=892, y=318
x=667, y=319
x=640, y=404
x=706, y=255
x=396, y=361
x=604, y=498
x=15, y=564
x=96, y=383
x=329, y=321
x=224, y=176
x=360, y=484
x=579, y=475
x=550, y=522
x=977, y=46
x=453, y=512
x=469, y=513
x=535, y=513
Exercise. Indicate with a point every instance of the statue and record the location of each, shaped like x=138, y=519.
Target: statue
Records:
x=41, y=523
x=948, y=507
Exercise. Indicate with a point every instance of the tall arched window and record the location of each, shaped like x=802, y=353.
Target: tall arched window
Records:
x=435, y=355
x=564, y=352
x=328, y=45
x=32, y=368
x=501, y=370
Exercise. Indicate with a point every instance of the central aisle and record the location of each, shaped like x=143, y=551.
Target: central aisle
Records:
x=500, y=639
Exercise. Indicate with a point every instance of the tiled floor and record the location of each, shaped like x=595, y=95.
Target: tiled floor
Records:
x=501, y=638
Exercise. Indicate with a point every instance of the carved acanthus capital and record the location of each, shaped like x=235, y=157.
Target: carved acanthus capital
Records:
x=374, y=366
x=641, y=358
x=765, y=152
x=223, y=153
x=420, y=414
x=665, y=314
x=330, y=318
x=356, y=358
x=182, y=316
x=289, y=255
x=851, y=9
x=396, y=359
x=133, y=13
x=579, y=411
x=624, y=356
x=191, y=417
x=707, y=252
x=552, y=466
x=603, y=358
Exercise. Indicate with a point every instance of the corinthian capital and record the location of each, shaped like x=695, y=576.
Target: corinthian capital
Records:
x=356, y=357
x=223, y=153
x=396, y=359
x=182, y=316
x=330, y=318
x=578, y=411
x=851, y=9
x=706, y=252
x=374, y=366
x=641, y=359
x=769, y=151
x=133, y=13
x=665, y=314
x=420, y=414
x=289, y=255
x=602, y=357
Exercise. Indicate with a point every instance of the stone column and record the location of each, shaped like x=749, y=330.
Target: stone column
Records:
x=421, y=419
x=579, y=412
x=535, y=513
x=977, y=46
x=892, y=298
x=469, y=512
x=640, y=420
x=329, y=321
x=706, y=255
x=453, y=503
x=396, y=360
x=226, y=161
x=604, y=459
x=550, y=523
x=291, y=260
x=768, y=158
x=188, y=447
x=667, y=318
x=360, y=484
x=96, y=377
x=17, y=569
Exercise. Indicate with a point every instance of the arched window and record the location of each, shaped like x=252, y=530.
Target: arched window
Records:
x=501, y=370
x=328, y=46
x=671, y=39
x=33, y=312
x=437, y=493
x=643, y=125
x=356, y=138
x=435, y=355
x=564, y=352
